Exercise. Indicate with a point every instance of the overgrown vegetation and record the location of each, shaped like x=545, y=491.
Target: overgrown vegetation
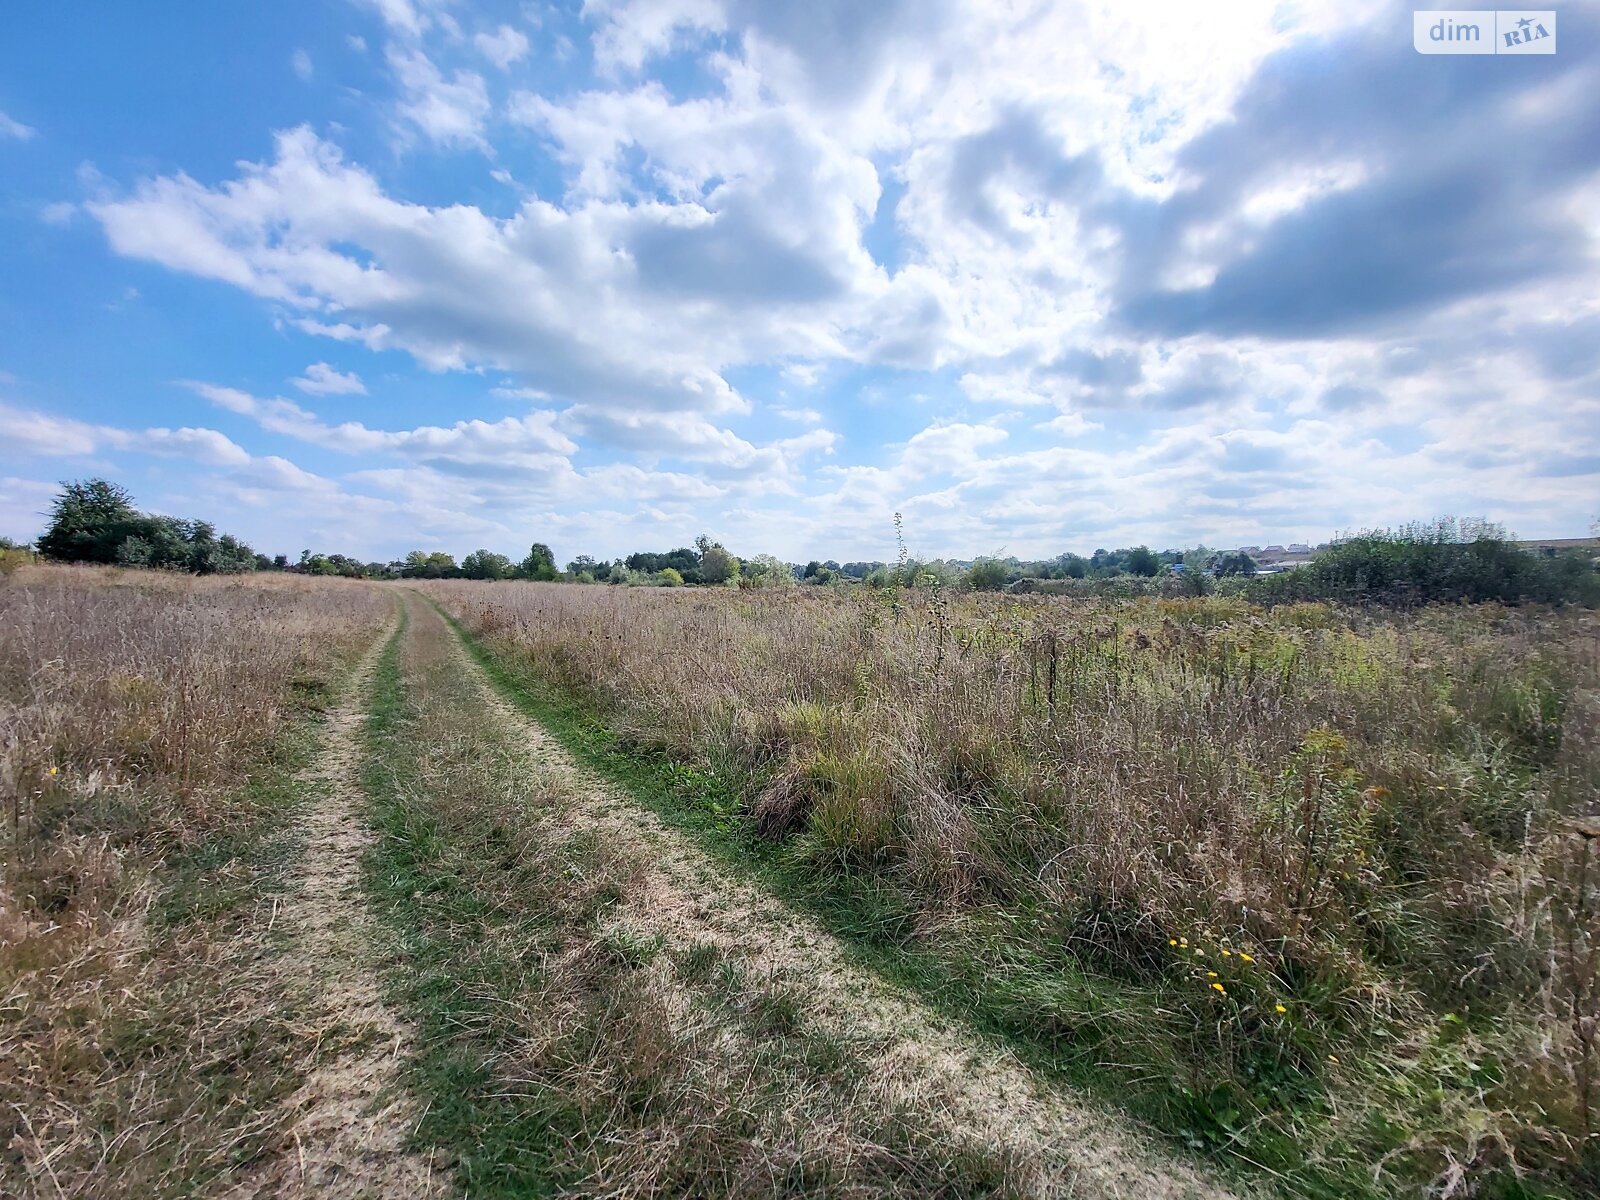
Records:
x=94, y=521
x=150, y=729
x=1438, y=562
x=1306, y=886
x=562, y=1050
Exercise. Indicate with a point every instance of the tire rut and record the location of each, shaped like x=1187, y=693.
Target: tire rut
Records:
x=352, y=1117
x=913, y=1054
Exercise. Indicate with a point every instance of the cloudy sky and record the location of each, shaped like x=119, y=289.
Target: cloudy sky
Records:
x=369, y=275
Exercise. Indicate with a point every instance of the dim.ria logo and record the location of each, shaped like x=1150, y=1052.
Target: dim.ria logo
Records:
x=1484, y=31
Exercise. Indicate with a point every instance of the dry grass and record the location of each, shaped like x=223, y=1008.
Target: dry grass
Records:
x=149, y=726
x=569, y=1047
x=1386, y=815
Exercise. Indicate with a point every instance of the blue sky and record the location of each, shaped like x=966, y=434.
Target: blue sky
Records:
x=374, y=275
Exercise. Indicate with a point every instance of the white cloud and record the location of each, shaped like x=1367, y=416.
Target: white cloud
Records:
x=503, y=47
x=38, y=434
x=514, y=442
x=300, y=62
x=449, y=111
x=1016, y=170
x=12, y=128
x=322, y=380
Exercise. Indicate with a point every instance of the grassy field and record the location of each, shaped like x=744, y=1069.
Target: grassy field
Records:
x=151, y=730
x=1309, y=889
x=792, y=892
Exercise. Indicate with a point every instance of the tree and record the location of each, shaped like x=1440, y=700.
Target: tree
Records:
x=987, y=575
x=486, y=564
x=422, y=565
x=539, y=565
x=717, y=566
x=1238, y=563
x=88, y=522
x=1141, y=560
x=584, y=564
x=668, y=577
x=766, y=570
x=95, y=521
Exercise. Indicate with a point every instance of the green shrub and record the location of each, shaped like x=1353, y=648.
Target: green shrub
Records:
x=1441, y=561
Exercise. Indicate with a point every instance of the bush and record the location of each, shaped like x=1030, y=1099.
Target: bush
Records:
x=1441, y=561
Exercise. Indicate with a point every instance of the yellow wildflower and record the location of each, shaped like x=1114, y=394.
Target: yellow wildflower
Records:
x=1172, y=941
x=1245, y=956
x=53, y=770
x=1226, y=952
x=1219, y=988
x=1211, y=974
x=1333, y=1058
x=1280, y=1008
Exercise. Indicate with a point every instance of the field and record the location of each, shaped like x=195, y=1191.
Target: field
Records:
x=524, y=889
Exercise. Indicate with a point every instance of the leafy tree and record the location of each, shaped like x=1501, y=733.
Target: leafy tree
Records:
x=539, y=565
x=95, y=521
x=1141, y=560
x=422, y=565
x=987, y=575
x=717, y=566
x=583, y=565
x=89, y=520
x=1238, y=563
x=685, y=561
x=668, y=577
x=486, y=564
x=766, y=570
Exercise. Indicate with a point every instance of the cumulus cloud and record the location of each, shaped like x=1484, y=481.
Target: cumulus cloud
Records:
x=1157, y=268
x=322, y=380
x=448, y=110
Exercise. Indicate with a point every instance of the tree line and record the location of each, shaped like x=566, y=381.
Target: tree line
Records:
x=95, y=521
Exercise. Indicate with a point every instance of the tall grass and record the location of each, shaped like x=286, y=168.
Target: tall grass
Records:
x=149, y=726
x=1313, y=887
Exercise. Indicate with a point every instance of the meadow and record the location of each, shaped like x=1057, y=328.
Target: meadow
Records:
x=1309, y=891
x=150, y=726
x=1307, y=887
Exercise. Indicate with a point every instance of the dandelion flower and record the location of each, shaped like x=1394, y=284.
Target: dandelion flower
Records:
x=1217, y=987
x=1211, y=974
x=1226, y=952
x=54, y=770
x=1199, y=951
x=1172, y=941
x=1245, y=956
x=1333, y=1058
x=1280, y=1008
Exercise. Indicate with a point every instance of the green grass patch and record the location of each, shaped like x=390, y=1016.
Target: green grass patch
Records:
x=1123, y=1034
x=553, y=1051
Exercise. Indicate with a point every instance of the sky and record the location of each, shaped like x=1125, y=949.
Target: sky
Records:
x=369, y=276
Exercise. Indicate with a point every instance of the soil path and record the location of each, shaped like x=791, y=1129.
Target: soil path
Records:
x=914, y=1054
x=352, y=1117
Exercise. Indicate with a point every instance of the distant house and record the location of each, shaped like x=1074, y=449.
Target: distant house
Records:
x=1298, y=548
x=1249, y=550
x=1272, y=550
